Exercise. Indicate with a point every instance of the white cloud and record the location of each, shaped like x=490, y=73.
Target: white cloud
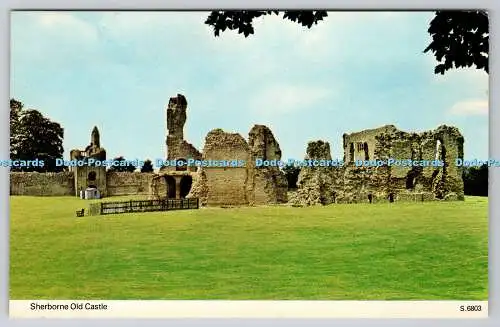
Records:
x=470, y=108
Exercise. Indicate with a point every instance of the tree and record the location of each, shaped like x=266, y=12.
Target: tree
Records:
x=459, y=37
x=16, y=108
x=122, y=167
x=34, y=136
x=147, y=167
x=242, y=20
x=476, y=180
x=292, y=175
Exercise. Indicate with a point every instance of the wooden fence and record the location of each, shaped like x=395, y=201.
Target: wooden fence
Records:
x=148, y=205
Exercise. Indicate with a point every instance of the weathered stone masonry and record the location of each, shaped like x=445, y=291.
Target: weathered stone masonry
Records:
x=42, y=184
x=251, y=185
x=220, y=186
x=368, y=184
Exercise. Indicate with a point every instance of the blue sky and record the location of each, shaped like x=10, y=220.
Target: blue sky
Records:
x=353, y=71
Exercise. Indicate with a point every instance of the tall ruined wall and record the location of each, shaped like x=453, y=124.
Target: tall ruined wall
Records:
x=199, y=187
x=128, y=183
x=353, y=184
x=317, y=185
x=42, y=184
x=449, y=147
x=361, y=145
x=188, y=151
x=177, y=147
x=247, y=185
x=225, y=185
x=444, y=144
x=176, y=118
x=267, y=184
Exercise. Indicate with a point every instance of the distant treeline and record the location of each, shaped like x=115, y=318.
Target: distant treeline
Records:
x=476, y=180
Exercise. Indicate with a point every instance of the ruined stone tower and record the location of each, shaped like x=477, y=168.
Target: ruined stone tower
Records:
x=177, y=147
x=175, y=181
x=90, y=175
x=94, y=138
x=176, y=118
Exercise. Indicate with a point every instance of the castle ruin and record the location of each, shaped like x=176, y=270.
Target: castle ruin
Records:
x=90, y=176
x=219, y=186
x=248, y=184
x=355, y=183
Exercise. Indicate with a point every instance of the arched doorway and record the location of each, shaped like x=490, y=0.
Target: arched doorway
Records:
x=170, y=187
x=411, y=179
x=91, y=176
x=365, y=147
x=185, y=186
x=91, y=179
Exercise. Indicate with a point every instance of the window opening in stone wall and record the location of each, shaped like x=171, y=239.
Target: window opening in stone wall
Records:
x=410, y=182
x=365, y=147
x=438, y=150
x=92, y=176
x=351, y=153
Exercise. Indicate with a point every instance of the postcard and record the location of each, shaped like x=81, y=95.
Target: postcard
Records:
x=249, y=164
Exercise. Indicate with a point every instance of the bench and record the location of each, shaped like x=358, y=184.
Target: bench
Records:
x=80, y=213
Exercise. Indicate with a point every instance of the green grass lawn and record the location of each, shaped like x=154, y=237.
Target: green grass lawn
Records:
x=398, y=251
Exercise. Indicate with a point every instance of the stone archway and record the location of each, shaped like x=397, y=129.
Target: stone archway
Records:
x=91, y=176
x=91, y=179
x=185, y=185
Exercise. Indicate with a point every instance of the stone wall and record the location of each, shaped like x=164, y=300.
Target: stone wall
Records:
x=316, y=185
x=387, y=183
x=199, y=188
x=247, y=185
x=444, y=144
x=158, y=187
x=268, y=185
x=360, y=145
x=42, y=184
x=91, y=176
x=128, y=183
x=225, y=185
x=177, y=147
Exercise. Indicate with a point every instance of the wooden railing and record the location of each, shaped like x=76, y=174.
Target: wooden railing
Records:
x=148, y=205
